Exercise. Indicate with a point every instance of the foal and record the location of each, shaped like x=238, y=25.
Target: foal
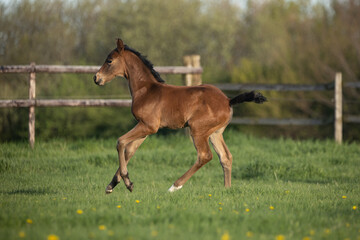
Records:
x=205, y=109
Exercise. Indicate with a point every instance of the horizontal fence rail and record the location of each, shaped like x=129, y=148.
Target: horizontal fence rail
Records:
x=90, y=69
x=192, y=71
x=275, y=87
x=66, y=103
x=283, y=121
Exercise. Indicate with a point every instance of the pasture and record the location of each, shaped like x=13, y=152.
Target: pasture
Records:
x=281, y=189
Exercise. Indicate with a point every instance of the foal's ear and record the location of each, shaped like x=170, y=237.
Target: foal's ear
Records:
x=120, y=45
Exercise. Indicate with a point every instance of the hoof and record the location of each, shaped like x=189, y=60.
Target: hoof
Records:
x=130, y=187
x=108, y=189
x=174, y=188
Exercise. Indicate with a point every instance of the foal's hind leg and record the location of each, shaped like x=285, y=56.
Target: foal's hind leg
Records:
x=204, y=155
x=129, y=152
x=224, y=154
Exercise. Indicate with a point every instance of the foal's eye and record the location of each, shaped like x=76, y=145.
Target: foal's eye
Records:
x=108, y=61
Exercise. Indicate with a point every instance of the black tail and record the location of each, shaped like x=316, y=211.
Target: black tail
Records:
x=248, y=97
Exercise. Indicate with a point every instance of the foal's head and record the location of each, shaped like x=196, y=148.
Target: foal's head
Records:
x=114, y=65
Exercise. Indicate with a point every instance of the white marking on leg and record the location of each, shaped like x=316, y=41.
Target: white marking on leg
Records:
x=174, y=188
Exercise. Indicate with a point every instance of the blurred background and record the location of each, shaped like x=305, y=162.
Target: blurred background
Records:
x=268, y=41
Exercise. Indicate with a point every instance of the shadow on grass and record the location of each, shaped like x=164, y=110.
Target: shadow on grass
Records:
x=30, y=192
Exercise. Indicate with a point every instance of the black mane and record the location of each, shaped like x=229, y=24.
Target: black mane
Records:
x=147, y=64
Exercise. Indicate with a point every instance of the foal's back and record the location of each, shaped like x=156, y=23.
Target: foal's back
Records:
x=197, y=105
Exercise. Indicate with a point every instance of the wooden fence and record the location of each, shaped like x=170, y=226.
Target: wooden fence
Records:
x=192, y=71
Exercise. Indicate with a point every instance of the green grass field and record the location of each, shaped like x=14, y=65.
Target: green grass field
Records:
x=281, y=189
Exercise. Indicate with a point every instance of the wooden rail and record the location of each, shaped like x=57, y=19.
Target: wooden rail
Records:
x=192, y=71
x=89, y=69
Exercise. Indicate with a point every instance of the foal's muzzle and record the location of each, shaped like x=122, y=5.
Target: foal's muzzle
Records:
x=97, y=80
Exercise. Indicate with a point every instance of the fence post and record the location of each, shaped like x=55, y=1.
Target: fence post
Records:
x=192, y=79
x=338, y=123
x=32, y=95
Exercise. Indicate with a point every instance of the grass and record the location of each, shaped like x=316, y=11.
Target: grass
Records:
x=281, y=189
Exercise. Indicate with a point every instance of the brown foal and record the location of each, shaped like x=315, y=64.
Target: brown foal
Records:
x=205, y=109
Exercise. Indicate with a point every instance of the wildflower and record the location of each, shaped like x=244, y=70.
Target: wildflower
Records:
x=312, y=232
x=64, y=198
x=29, y=221
x=354, y=207
x=94, y=209
x=247, y=210
x=220, y=203
x=220, y=208
x=225, y=236
x=158, y=207
x=102, y=227
x=344, y=197
x=271, y=208
x=280, y=237
x=306, y=238
x=137, y=201
x=22, y=234
x=327, y=231
x=79, y=211
x=210, y=195
x=118, y=206
x=287, y=191
x=52, y=237
x=249, y=234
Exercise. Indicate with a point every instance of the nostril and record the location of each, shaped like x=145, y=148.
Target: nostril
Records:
x=95, y=78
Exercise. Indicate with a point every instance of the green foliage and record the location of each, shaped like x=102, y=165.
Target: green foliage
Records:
x=303, y=181
x=274, y=41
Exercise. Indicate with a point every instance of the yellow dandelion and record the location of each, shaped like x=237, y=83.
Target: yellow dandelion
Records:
x=225, y=236
x=327, y=231
x=154, y=233
x=210, y=195
x=158, y=207
x=306, y=238
x=94, y=209
x=280, y=237
x=344, y=197
x=118, y=206
x=64, y=198
x=52, y=237
x=102, y=227
x=220, y=203
x=220, y=208
x=312, y=232
x=271, y=208
x=137, y=201
x=249, y=234
x=247, y=210
x=354, y=207
x=347, y=224
x=79, y=211
x=29, y=221
x=22, y=234
x=287, y=191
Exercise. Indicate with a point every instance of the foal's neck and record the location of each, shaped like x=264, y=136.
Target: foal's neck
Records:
x=139, y=76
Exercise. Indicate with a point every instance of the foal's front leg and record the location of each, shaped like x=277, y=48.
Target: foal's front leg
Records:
x=129, y=152
x=137, y=134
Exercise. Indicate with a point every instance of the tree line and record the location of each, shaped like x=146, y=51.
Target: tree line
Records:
x=273, y=41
